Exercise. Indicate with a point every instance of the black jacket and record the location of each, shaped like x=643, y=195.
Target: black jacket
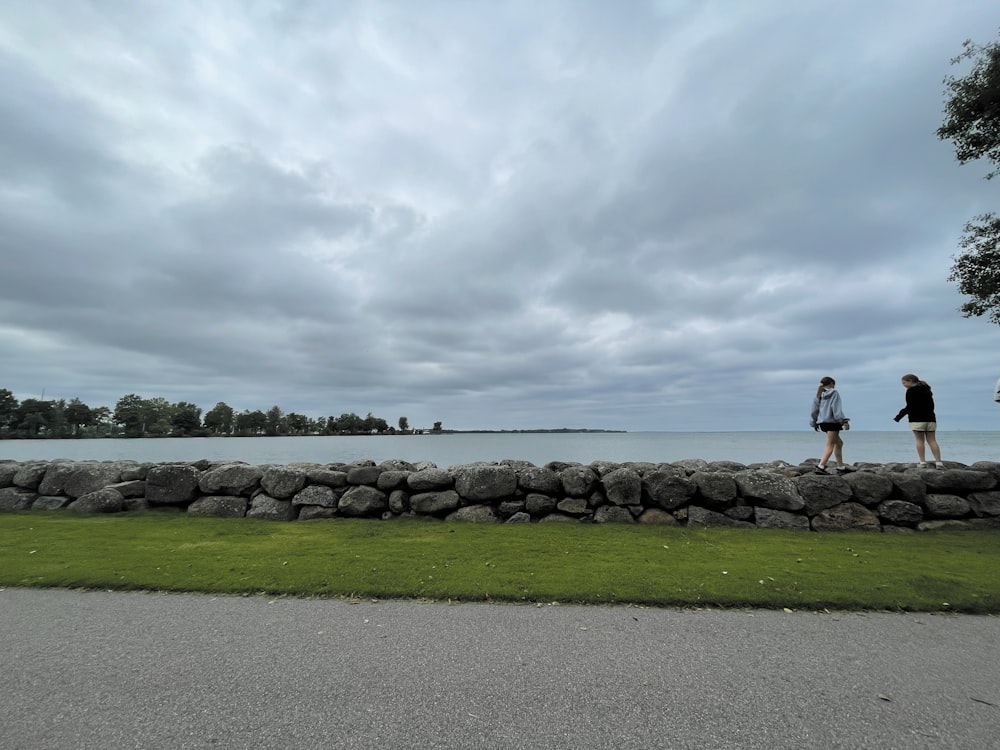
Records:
x=919, y=404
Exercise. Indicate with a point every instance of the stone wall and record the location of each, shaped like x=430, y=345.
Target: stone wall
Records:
x=875, y=497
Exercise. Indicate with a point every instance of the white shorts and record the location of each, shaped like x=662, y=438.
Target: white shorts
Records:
x=923, y=426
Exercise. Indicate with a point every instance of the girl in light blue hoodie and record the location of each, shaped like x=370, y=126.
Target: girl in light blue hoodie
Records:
x=828, y=416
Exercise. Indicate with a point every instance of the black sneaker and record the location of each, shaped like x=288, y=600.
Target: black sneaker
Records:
x=821, y=470
x=843, y=469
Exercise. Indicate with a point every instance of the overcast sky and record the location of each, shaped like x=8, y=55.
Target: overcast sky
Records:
x=582, y=213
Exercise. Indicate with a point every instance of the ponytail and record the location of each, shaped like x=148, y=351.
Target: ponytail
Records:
x=823, y=383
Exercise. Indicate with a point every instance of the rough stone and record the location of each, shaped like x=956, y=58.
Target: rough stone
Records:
x=769, y=518
x=519, y=518
x=29, y=475
x=574, y=506
x=131, y=489
x=613, y=514
x=984, y=503
x=483, y=483
x=900, y=512
x=946, y=506
x=430, y=480
x=7, y=471
x=768, y=490
x=657, y=516
x=822, y=492
x=282, y=482
x=958, y=480
x=391, y=480
x=171, y=484
x=364, y=475
x=363, y=502
x=577, y=481
x=237, y=479
x=316, y=494
x=268, y=508
x=316, y=512
x=16, y=498
x=50, y=502
x=327, y=477
x=434, y=503
x=99, y=501
x=399, y=501
x=909, y=487
x=221, y=506
x=846, y=516
x=716, y=489
x=622, y=487
x=474, y=514
x=869, y=488
x=698, y=516
x=539, y=505
x=539, y=479
x=668, y=487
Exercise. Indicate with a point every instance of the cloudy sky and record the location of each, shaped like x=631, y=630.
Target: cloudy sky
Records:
x=643, y=215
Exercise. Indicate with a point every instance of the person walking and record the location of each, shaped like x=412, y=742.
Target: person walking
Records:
x=919, y=410
x=828, y=416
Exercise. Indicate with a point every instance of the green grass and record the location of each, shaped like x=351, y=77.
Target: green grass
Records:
x=595, y=564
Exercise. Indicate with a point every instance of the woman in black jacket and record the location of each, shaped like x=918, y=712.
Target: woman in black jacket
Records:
x=920, y=411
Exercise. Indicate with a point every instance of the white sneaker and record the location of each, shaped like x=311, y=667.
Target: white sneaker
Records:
x=921, y=464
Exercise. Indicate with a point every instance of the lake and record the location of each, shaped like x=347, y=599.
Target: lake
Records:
x=539, y=448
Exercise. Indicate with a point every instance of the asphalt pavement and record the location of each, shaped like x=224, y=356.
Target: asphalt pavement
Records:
x=105, y=670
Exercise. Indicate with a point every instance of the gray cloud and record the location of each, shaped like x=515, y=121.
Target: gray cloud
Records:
x=515, y=216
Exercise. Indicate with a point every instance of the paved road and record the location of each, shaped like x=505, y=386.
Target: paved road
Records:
x=130, y=670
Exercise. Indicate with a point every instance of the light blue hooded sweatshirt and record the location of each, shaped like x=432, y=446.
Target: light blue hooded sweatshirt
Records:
x=827, y=408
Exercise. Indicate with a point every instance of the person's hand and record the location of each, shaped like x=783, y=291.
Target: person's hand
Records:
x=896, y=418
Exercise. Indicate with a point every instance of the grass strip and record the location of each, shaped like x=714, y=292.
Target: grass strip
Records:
x=593, y=564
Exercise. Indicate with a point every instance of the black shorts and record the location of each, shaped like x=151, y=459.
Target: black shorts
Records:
x=830, y=426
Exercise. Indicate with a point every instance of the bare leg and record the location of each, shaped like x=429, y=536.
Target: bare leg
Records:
x=831, y=445
x=918, y=437
x=838, y=449
x=933, y=443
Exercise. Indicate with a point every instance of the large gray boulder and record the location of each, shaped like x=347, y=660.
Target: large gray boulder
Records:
x=99, y=501
x=846, y=516
x=822, y=492
x=577, y=481
x=716, y=489
x=316, y=494
x=946, y=506
x=434, y=503
x=363, y=502
x=668, y=487
x=483, y=483
x=474, y=514
x=698, y=516
x=958, y=481
x=430, y=480
x=985, y=503
x=909, y=487
x=538, y=504
x=51, y=502
x=235, y=479
x=359, y=475
x=327, y=477
x=868, y=487
x=657, y=516
x=613, y=514
x=392, y=480
x=623, y=487
x=283, y=481
x=7, y=471
x=268, y=508
x=171, y=484
x=539, y=479
x=221, y=506
x=769, y=490
x=769, y=518
x=16, y=498
x=900, y=512
x=30, y=474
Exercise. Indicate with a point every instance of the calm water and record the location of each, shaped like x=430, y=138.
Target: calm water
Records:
x=449, y=450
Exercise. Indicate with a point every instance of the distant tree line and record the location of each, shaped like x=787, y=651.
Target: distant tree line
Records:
x=134, y=416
